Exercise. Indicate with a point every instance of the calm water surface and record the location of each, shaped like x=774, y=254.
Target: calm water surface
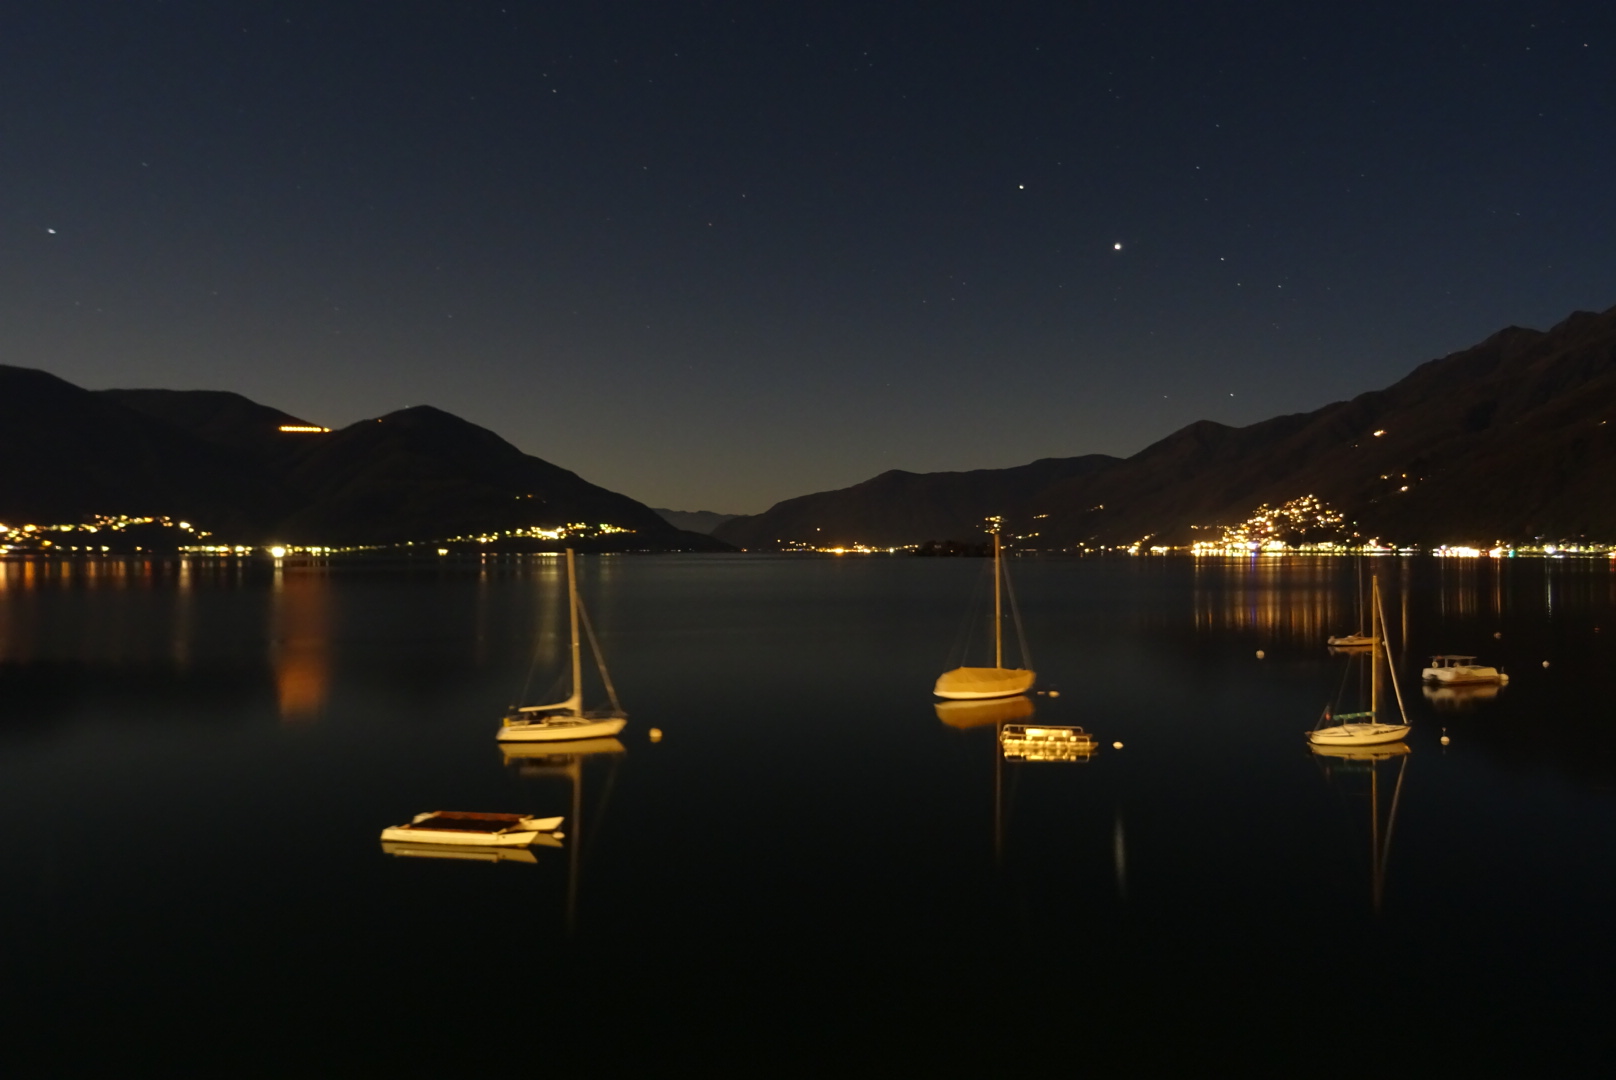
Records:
x=811, y=872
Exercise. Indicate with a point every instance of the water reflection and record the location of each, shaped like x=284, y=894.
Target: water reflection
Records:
x=1459, y=699
x=300, y=636
x=970, y=714
x=1356, y=770
x=470, y=854
x=538, y=761
x=1298, y=598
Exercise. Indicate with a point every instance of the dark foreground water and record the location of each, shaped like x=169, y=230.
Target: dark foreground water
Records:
x=811, y=873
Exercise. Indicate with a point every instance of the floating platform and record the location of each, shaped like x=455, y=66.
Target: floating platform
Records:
x=1028, y=742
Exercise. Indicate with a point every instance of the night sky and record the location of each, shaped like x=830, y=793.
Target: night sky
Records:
x=714, y=255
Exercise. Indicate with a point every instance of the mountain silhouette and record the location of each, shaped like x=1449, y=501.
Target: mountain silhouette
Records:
x=220, y=460
x=1510, y=440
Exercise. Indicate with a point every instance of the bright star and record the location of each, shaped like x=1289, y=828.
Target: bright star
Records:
x=1116, y=247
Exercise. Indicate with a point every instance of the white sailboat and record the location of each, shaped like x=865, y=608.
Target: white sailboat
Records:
x=566, y=720
x=1366, y=728
x=974, y=683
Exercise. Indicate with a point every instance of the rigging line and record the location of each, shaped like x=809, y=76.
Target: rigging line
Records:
x=1015, y=615
x=962, y=639
x=600, y=660
x=1390, y=667
x=538, y=650
x=1391, y=819
x=1340, y=691
x=599, y=815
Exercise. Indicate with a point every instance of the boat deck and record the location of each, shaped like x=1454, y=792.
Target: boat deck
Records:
x=464, y=821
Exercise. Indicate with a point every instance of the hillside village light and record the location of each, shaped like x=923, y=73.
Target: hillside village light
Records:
x=278, y=552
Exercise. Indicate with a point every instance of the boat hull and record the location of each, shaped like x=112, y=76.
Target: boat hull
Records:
x=1476, y=676
x=979, y=684
x=466, y=854
x=1358, y=734
x=552, y=729
x=525, y=836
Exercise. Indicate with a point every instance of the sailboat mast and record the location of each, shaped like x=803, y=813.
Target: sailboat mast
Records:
x=998, y=614
x=1390, y=670
x=576, y=701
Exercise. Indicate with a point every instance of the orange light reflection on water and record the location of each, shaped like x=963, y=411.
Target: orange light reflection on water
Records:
x=300, y=648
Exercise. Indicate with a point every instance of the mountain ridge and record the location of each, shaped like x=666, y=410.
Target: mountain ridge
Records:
x=221, y=461
x=1504, y=440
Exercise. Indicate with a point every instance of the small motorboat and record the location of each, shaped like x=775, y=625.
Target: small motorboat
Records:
x=1453, y=670
x=464, y=828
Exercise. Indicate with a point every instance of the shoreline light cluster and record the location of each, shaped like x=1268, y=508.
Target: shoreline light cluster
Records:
x=64, y=536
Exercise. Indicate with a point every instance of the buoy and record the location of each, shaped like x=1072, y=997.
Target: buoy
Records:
x=1444, y=740
x=1260, y=654
x=656, y=734
x=1116, y=746
x=1545, y=663
x=1498, y=635
x=1054, y=693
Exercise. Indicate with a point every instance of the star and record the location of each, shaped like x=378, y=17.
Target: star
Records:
x=1116, y=247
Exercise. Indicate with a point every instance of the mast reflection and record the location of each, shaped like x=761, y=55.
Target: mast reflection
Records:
x=1348, y=767
x=540, y=761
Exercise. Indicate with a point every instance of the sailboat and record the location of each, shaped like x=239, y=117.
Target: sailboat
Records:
x=1366, y=728
x=971, y=683
x=566, y=720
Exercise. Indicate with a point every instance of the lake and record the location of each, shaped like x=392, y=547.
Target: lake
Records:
x=810, y=872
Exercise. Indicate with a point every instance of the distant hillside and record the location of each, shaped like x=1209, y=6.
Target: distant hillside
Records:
x=220, y=461
x=904, y=508
x=1511, y=439
x=701, y=521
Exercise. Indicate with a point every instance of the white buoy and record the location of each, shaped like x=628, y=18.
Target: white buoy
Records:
x=1545, y=663
x=1054, y=693
x=1116, y=746
x=1444, y=740
x=1260, y=654
x=1498, y=635
x=656, y=734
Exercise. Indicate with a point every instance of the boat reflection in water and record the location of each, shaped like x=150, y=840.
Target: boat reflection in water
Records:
x=971, y=714
x=467, y=854
x=1348, y=767
x=541, y=759
x=1459, y=698
x=565, y=761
